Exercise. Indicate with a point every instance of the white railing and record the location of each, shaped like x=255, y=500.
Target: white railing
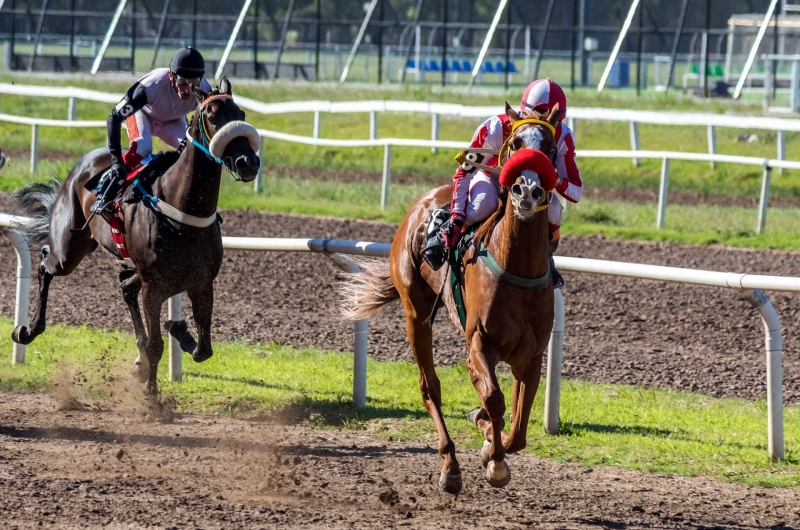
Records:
x=632, y=117
x=750, y=285
x=387, y=143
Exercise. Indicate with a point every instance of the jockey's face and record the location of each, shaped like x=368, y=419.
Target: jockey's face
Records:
x=183, y=86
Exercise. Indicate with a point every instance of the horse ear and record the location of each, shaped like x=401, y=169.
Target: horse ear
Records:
x=552, y=118
x=512, y=114
x=199, y=94
x=225, y=86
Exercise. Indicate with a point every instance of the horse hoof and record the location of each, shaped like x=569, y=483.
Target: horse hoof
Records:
x=487, y=445
x=497, y=474
x=202, y=356
x=17, y=333
x=477, y=414
x=450, y=483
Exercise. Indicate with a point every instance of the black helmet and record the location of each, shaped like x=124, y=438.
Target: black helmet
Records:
x=187, y=62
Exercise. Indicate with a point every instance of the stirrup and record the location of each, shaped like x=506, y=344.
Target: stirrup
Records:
x=558, y=280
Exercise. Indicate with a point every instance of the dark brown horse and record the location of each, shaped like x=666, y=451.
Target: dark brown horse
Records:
x=508, y=295
x=168, y=256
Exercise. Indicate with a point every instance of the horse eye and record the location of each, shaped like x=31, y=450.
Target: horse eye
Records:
x=517, y=143
x=516, y=189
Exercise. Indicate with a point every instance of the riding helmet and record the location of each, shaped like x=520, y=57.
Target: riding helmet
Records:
x=544, y=94
x=187, y=62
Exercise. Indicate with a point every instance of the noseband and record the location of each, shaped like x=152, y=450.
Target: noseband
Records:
x=203, y=128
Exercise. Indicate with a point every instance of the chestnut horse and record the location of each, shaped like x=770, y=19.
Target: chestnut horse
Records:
x=168, y=256
x=508, y=295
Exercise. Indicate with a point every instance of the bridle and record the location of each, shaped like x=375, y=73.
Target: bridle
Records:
x=203, y=127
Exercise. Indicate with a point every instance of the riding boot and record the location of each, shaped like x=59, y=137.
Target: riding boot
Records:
x=435, y=253
x=107, y=194
x=558, y=280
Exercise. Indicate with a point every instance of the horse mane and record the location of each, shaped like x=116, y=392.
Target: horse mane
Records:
x=485, y=230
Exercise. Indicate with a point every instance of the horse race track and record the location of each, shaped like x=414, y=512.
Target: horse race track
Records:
x=106, y=466
x=114, y=468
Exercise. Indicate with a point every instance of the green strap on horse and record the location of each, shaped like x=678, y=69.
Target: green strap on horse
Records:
x=502, y=275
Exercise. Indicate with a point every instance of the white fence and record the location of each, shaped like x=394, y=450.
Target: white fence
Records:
x=749, y=285
x=387, y=143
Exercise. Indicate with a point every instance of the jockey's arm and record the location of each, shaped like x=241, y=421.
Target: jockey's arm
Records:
x=131, y=102
x=489, y=135
x=569, y=184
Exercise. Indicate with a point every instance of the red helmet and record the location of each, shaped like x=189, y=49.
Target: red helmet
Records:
x=543, y=94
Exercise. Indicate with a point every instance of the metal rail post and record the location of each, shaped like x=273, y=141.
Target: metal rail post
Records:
x=763, y=200
x=663, y=193
x=284, y=30
x=34, y=148
x=175, y=312
x=675, y=43
x=161, y=23
x=548, y=14
x=774, y=348
x=754, y=50
x=23, y=290
x=386, y=176
x=434, y=131
x=258, y=185
x=555, y=359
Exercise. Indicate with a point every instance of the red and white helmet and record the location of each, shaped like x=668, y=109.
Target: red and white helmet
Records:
x=542, y=95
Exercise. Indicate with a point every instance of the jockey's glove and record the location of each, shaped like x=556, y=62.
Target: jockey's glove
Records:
x=118, y=173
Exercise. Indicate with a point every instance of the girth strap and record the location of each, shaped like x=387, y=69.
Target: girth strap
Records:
x=504, y=276
x=172, y=212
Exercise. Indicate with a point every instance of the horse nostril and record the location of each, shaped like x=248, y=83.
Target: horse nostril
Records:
x=242, y=162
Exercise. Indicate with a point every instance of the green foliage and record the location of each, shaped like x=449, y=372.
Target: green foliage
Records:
x=602, y=425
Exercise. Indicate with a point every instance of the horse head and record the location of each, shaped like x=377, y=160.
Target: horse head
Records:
x=529, y=166
x=219, y=124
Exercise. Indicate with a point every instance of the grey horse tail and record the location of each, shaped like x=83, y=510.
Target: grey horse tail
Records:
x=35, y=201
x=364, y=293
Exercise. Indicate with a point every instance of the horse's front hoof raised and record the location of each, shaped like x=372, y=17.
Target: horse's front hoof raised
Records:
x=450, y=483
x=202, y=355
x=21, y=335
x=477, y=414
x=497, y=474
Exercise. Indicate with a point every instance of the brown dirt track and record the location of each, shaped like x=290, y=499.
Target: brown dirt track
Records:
x=105, y=468
x=60, y=468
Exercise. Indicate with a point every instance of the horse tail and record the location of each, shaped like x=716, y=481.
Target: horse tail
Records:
x=35, y=201
x=363, y=293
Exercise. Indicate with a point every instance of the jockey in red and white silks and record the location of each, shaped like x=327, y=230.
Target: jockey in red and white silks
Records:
x=475, y=192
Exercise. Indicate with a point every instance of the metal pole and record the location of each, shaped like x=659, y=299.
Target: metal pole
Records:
x=380, y=41
x=639, y=42
x=774, y=348
x=444, y=42
x=387, y=170
x=581, y=40
x=420, y=3
x=287, y=19
x=23, y=290
x=255, y=42
x=705, y=54
x=763, y=200
x=676, y=42
x=133, y=36
x=175, y=313
x=555, y=359
x=316, y=44
x=434, y=131
x=34, y=147
x=71, y=109
x=485, y=48
x=663, y=191
x=712, y=142
x=547, y=17
x=161, y=23
x=37, y=37
x=775, y=51
x=13, y=32
x=754, y=50
x=258, y=185
x=111, y=28
x=72, y=37
x=232, y=38
x=508, y=47
x=357, y=43
x=360, y=346
x=613, y=57
x=573, y=37
x=194, y=24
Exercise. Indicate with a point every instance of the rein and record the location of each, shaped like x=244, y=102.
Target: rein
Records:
x=202, y=128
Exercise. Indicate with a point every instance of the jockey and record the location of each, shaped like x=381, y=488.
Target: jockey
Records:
x=156, y=105
x=475, y=192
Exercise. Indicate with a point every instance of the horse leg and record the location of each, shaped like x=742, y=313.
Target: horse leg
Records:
x=517, y=436
x=131, y=285
x=154, y=348
x=485, y=382
x=421, y=339
x=202, y=309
